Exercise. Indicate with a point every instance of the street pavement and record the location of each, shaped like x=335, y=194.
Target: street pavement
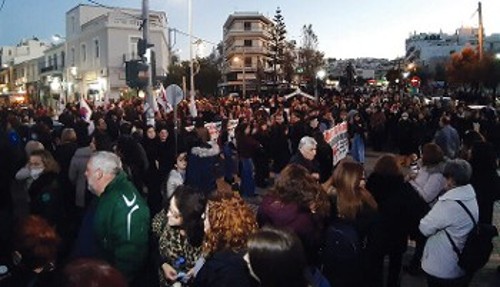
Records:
x=486, y=277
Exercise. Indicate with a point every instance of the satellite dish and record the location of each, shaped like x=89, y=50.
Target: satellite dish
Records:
x=174, y=94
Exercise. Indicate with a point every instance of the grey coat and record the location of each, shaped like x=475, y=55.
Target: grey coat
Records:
x=76, y=174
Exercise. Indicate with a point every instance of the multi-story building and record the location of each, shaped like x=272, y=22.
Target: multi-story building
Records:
x=246, y=37
x=429, y=48
x=98, y=43
x=52, y=76
x=19, y=69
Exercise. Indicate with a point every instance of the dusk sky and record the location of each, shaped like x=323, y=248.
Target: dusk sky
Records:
x=346, y=29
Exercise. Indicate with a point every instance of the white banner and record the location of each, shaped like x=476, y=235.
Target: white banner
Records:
x=338, y=139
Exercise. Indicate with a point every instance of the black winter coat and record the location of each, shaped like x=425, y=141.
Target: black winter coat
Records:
x=46, y=199
x=400, y=210
x=224, y=269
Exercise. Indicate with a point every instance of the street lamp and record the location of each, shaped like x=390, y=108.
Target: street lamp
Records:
x=321, y=74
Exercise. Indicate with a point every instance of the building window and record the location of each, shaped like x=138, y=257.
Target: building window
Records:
x=55, y=61
x=248, y=62
x=247, y=26
x=96, y=47
x=63, y=59
x=73, y=24
x=247, y=43
x=72, y=56
x=84, y=53
x=49, y=61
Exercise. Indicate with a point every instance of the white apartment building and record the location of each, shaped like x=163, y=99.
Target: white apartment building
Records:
x=24, y=51
x=428, y=48
x=99, y=41
x=246, y=37
x=19, y=69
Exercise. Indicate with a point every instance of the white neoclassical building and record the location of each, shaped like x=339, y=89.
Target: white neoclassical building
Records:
x=98, y=43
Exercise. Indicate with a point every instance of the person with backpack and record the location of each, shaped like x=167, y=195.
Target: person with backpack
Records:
x=350, y=239
x=447, y=226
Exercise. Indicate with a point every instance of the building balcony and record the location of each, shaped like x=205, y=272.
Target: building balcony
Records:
x=247, y=50
x=49, y=69
x=238, y=33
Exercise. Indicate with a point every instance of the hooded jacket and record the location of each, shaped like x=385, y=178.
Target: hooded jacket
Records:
x=200, y=171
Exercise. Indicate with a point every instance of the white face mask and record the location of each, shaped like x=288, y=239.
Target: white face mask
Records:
x=36, y=172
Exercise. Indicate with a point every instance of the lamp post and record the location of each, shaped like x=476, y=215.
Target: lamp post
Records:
x=319, y=75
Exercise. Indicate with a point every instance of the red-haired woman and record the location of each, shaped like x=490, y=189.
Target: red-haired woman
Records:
x=35, y=252
x=229, y=222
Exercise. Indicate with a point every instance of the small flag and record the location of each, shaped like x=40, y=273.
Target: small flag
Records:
x=85, y=110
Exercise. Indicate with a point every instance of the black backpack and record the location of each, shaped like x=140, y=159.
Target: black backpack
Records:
x=341, y=254
x=478, y=246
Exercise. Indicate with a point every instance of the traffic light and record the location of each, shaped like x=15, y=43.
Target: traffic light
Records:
x=136, y=74
x=142, y=46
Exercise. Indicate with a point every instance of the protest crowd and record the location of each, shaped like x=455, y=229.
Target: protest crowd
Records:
x=262, y=191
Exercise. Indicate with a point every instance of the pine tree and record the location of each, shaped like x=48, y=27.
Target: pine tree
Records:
x=277, y=44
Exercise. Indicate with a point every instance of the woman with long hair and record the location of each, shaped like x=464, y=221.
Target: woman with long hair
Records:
x=297, y=203
x=275, y=258
x=354, y=212
x=178, y=232
x=229, y=222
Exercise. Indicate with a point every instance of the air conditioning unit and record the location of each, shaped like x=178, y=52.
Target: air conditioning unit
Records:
x=103, y=72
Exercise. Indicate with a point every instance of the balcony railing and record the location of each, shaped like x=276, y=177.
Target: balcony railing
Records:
x=247, y=50
x=48, y=69
x=242, y=32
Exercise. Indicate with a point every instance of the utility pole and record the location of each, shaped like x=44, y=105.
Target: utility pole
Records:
x=150, y=117
x=244, y=74
x=481, y=31
x=191, y=68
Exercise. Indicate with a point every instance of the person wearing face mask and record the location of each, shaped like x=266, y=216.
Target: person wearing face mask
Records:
x=305, y=156
x=45, y=194
x=178, y=235
x=19, y=188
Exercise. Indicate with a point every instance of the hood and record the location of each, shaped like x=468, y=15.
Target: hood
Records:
x=210, y=151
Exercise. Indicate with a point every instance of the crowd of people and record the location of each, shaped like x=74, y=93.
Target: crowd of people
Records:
x=117, y=202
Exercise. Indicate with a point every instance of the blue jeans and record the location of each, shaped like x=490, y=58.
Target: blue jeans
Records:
x=358, y=148
x=247, y=185
x=229, y=164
